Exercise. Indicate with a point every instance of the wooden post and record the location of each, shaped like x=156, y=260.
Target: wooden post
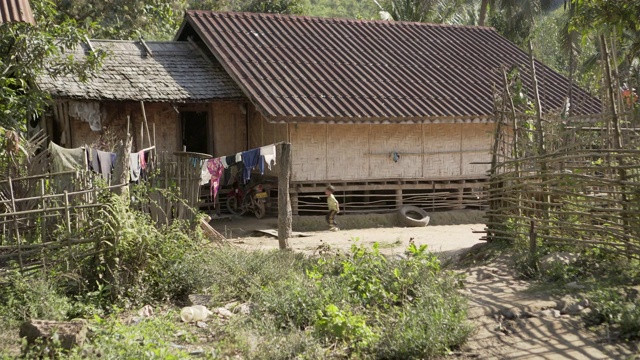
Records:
x=284, y=201
x=15, y=223
x=516, y=140
x=398, y=198
x=146, y=124
x=43, y=219
x=542, y=150
x=533, y=246
x=67, y=218
x=123, y=165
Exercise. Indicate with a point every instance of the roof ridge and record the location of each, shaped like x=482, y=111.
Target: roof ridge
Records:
x=332, y=19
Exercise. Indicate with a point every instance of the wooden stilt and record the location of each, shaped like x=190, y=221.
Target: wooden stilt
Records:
x=284, y=201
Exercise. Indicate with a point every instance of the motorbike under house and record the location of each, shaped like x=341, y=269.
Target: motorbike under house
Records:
x=247, y=198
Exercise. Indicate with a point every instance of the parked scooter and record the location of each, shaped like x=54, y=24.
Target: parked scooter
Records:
x=249, y=198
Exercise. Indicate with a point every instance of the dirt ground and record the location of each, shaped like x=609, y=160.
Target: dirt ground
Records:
x=510, y=320
x=447, y=239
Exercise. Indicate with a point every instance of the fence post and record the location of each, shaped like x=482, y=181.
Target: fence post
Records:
x=43, y=219
x=15, y=223
x=67, y=218
x=533, y=246
x=284, y=201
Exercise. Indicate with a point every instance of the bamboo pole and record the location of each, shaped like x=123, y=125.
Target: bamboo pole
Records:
x=15, y=224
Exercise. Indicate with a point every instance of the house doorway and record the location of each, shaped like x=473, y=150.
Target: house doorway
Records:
x=194, y=131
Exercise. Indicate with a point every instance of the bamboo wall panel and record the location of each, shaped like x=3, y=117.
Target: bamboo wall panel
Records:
x=230, y=129
x=348, y=152
x=262, y=132
x=442, y=150
x=406, y=140
x=309, y=146
x=477, y=138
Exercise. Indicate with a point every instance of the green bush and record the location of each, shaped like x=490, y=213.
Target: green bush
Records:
x=610, y=307
x=35, y=297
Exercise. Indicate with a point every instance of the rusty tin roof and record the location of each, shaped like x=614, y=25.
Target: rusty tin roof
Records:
x=16, y=11
x=299, y=69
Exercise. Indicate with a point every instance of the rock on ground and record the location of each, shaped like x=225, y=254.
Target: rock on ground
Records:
x=69, y=333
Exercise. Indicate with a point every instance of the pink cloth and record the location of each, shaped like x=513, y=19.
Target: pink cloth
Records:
x=143, y=162
x=215, y=169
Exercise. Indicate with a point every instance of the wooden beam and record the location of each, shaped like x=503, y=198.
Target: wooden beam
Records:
x=284, y=201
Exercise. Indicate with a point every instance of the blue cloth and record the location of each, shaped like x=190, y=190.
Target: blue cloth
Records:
x=250, y=160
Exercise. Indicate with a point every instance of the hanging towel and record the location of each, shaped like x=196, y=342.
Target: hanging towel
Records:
x=215, y=169
x=143, y=160
x=106, y=163
x=238, y=157
x=269, y=154
x=250, y=159
x=94, y=163
x=205, y=175
x=66, y=159
x=223, y=160
x=135, y=166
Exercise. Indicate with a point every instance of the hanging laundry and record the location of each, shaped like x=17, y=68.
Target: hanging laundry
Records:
x=143, y=159
x=223, y=160
x=205, y=175
x=135, y=166
x=106, y=163
x=238, y=157
x=67, y=159
x=230, y=160
x=94, y=163
x=250, y=159
x=215, y=169
x=269, y=154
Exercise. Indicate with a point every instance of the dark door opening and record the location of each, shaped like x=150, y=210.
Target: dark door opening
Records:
x=194, y=131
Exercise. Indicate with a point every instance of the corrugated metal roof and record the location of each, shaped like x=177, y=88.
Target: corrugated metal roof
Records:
x=16, y=11
x=176, y=71
x=318, y=69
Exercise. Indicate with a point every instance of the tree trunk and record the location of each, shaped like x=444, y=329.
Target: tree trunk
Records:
x=284, y=201
x=483, y=12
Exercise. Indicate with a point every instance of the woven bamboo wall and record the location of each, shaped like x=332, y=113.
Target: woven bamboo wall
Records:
x=442, y=150
x=406, y=140
x=309, y=152
x=348, y=152
x=230, y=128
x=263, y=133
x=477, y=138
x=361, y=152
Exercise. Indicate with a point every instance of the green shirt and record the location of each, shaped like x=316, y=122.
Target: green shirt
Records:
x=333, y=203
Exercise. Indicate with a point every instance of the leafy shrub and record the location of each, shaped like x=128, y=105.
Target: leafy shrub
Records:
x=344, y=326
x=35, y=297
x=609, y=307
x=433, y=325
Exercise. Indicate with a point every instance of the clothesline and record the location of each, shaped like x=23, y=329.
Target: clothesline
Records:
x=212, y=169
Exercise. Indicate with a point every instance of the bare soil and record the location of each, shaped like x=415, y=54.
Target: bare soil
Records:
x=506, y=314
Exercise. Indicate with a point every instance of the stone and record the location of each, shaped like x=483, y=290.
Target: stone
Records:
x=232, y=305
x=146, y=311
x=575, y=286
x=513, y=313
x=244, y=309
x=199, y=299
x=563, y=258
x=223, y=312
x=574, y=309
x=69, y=333
x=549, y=313
x=202, y=324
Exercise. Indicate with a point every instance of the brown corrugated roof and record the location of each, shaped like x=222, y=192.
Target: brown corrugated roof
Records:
x=16, y=11
x=176, y=71
x=317, y=69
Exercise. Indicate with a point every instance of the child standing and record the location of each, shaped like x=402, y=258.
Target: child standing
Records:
x=334, y=208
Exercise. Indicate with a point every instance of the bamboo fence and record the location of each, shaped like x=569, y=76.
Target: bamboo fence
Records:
x=577, y=188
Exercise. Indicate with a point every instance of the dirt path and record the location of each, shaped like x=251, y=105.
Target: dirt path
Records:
x=510, y=322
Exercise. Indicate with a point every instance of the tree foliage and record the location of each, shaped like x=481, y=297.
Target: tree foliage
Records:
x=26, y=52
x=125, y=19
x=293, y=7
